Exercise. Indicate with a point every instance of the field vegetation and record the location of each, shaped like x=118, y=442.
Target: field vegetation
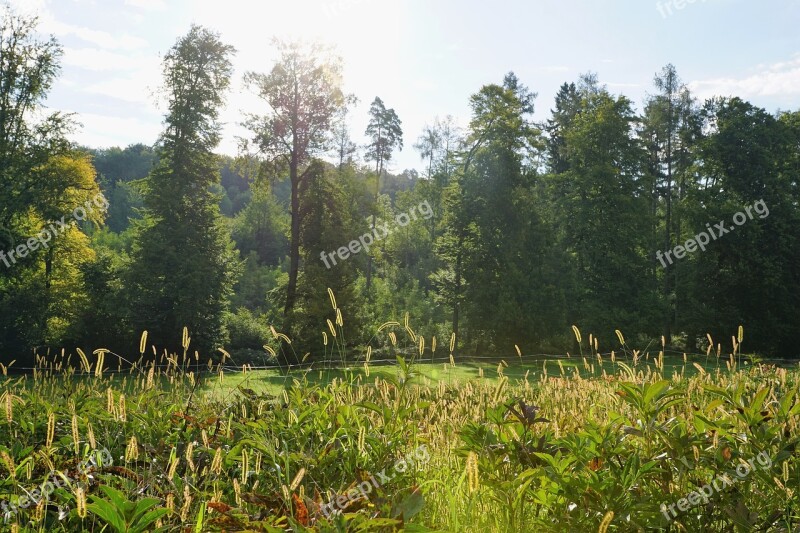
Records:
x=593, y=442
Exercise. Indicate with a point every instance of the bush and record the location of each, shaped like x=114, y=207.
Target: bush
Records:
x=246, y=330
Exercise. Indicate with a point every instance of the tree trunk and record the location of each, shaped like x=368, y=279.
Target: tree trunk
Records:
x=457, y=294
x=294, y=247
x=668, y=228
x=378, y=171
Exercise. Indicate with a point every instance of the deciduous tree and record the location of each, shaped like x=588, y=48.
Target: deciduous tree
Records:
x=183, y=260
x=304, y=95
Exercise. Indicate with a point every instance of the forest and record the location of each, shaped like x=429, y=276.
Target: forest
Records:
x=534, y=227
x=586, y=322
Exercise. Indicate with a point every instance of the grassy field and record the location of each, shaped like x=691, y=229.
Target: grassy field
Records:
x=575, y=444
x=273, y=381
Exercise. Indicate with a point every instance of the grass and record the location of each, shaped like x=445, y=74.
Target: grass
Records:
x=575, y=444
x=273, y=381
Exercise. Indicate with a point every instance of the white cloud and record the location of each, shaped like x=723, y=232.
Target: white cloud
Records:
x=136, y=80
x=459, y=47
x=49, y=24
x=103, y=60
x=778, y=79
x=425, y=85
x=105, y=131
x=28, y=7
x=99, y=38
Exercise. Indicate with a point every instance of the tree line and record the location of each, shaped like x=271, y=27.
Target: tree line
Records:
x=535, y=226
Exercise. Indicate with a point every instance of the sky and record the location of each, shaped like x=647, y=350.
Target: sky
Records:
x=424, y=58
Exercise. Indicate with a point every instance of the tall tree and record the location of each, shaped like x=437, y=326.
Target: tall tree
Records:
x=605, y=206
x=41, y=180
x=568, y=104
x=28, y=68
x=667, y=131
x=503, y=302
x=326, y=218
x=183, y=263
x=747, y=275
x=386, y=134
x=489, y=212
x=304, y=95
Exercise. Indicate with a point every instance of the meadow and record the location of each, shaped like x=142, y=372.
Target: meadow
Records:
x=212, y=168
x=618, y=441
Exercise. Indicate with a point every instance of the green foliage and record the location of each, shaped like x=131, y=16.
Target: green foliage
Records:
x=262, y=227
x=119, y=170
x=602, y=202
x=327, y=225
x=125, y=516
x=246, y=331
x=304, y=94
x=41, y=180
x=494, y=237
x=550, y=453
x=724, y=282
x=182, y=231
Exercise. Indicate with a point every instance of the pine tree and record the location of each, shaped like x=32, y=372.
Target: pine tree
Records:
x=327, y=226
x=386, y=134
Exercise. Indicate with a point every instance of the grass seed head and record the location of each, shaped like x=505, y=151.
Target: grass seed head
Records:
x=577, y=333
x=51, y=429
x=472, y=472
x=132, y=450
x=297, y=480
x=332, y=297
x=143, y=343
x=606, y=522
x=75, y=435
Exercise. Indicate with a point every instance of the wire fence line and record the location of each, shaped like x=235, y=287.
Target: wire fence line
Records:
x=334, y=365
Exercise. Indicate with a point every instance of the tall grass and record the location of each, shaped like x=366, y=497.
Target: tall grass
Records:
x=597, y=442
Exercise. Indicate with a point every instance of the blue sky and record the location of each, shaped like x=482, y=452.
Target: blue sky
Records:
x=422, y=57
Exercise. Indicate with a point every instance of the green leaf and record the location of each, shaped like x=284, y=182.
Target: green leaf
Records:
x=108, y=513
x=699, y=424
x=198, y=528
x=655, y=390
x=371, y=406
x=144, y=524
x=117, y=497
x=142, y=506
x=758, y=399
